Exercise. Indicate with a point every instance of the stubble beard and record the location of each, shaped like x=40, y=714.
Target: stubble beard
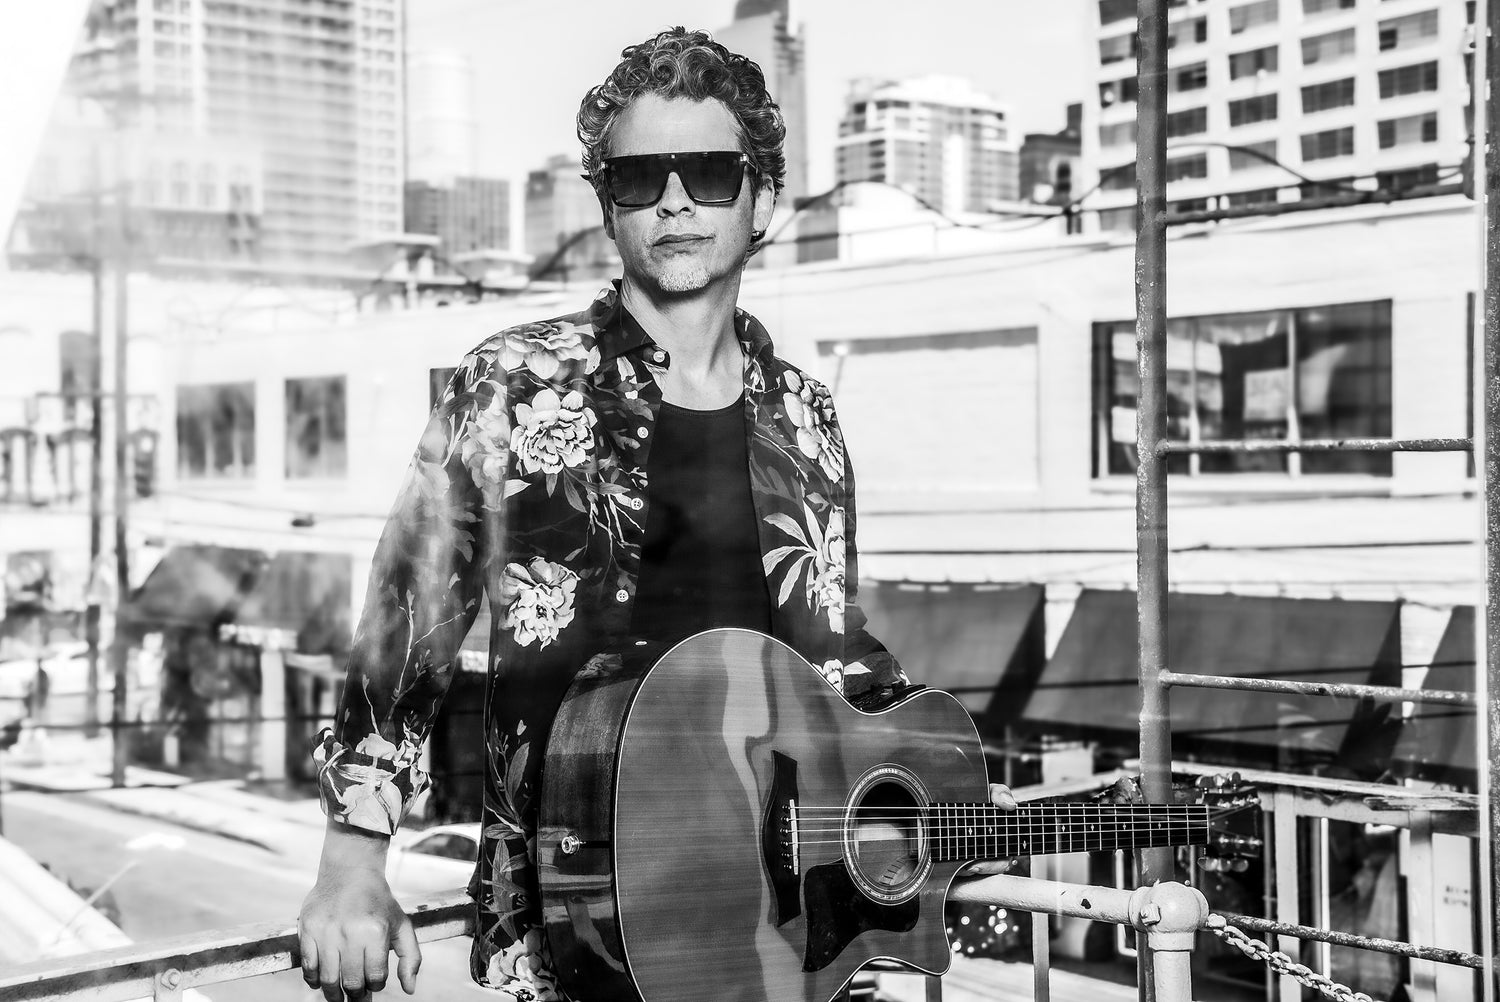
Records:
x=682, y=276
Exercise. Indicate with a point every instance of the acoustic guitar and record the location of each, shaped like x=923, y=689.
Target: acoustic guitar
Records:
x=721, y=824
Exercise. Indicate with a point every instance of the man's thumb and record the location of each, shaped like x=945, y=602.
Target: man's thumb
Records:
x=408, y=955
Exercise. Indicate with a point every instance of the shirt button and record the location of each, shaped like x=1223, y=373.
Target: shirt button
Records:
x=637, y=503
x=622, y=595
x=642, y=431
x=658, y=356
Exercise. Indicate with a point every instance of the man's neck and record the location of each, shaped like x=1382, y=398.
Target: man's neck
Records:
x=698, y=332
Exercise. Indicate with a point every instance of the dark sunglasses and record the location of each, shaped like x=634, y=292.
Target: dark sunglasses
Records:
x=712, y=178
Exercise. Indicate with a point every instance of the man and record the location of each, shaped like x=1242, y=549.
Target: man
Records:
x=646, y=468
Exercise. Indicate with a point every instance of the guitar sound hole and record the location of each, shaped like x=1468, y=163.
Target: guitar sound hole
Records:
x=887, y=839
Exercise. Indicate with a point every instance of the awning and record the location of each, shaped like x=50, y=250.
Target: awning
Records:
x=1089, y=687
x=1439, y=742
x=195, y=585
x=303, y=594
x=986, y=644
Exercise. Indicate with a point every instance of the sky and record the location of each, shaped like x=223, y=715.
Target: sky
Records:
x=534, y=59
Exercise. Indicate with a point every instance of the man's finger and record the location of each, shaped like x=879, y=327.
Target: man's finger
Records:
x=352, y=980
x=377, y=966
x=1001, y=797
x=328, y=975
x=408, y=955
x=308, y=947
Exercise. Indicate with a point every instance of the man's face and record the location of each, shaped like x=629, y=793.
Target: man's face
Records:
x=678, y=246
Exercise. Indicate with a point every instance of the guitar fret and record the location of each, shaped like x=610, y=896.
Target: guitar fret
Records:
x=968, y=830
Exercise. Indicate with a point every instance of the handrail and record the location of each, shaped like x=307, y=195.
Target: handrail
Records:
x=195, y=961
x=1178, y=448
x=1251, y=683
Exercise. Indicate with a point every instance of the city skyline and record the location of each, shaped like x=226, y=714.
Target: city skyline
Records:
x=1036, y=60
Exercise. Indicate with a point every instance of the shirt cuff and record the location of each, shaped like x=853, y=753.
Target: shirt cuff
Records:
x=371, y=786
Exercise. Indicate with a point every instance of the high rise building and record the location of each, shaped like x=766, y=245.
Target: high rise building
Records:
x=764, y=31
x=562, y=211
x=1350, y=93
x=937, y=137
x=441, y=129
x=467, y=214
x=311, y=90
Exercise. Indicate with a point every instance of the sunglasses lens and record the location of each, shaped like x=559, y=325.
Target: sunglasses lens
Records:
x=636, y=181
x=714, y=178
x=710, y=178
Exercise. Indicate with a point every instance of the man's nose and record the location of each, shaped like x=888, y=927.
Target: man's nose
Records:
x=674, y=198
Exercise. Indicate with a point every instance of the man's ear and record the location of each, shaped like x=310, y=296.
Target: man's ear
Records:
x=765, y=206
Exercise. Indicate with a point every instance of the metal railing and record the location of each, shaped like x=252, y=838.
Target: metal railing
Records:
x=1154, y=448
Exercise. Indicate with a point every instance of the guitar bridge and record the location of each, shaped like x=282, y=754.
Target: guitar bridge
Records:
x=778, y=840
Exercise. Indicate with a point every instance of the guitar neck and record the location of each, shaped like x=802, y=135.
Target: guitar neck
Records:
x=982, y=831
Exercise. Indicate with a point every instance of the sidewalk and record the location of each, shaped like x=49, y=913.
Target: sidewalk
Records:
x=227, y=808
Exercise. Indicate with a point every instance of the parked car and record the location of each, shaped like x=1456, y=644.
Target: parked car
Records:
x=436, y=859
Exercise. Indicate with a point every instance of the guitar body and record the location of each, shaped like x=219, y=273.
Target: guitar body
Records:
x=668, y=791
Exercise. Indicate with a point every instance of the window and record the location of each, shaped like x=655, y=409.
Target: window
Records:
x=1405, y=32
x=1250, y=110
x=1405, y=80
x=1247, y=64
x=1189, y=122
x=1408, y=131
x=1118, y=220
x=216, y=430
x=1121, y=178
x=446, y=845
x=1312, y=8
x=1252, y=155
x=1410, y=177
x=1252, y=15
x=1118, y=91
x=1192, y=31
x=1328, y=143
x=1325, y=187
x=1255, y=196
x=1111, y=11
x=1117, y=49
x=179, y=190
x=1328, y=48
x=207, y=186
x=315, y=444
x=1194, y=77
x=1187, y=168
x=1118, y=134
x=1231, y=377
x=1323, y=96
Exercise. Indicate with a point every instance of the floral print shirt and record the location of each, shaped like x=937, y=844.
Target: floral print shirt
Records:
x=528, y=490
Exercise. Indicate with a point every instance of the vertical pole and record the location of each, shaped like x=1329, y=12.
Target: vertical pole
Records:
x=122, y=480
x=96, y=456
x=1151, y=428
x=1488, y=680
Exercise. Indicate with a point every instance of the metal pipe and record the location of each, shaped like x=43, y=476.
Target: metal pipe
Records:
x=1151, y=420
x=1487, y=681
x=1321, y=445
x=1436, y=954
x=1252, y=684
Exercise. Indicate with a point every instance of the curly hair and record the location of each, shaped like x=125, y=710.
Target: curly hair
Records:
x=688, y=64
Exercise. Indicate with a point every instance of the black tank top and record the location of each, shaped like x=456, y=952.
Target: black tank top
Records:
x=700, y=563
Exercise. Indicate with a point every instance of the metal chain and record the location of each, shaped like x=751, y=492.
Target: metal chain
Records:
x=1281, y=963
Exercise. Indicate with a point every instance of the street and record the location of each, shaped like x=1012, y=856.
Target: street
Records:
x=180, y=881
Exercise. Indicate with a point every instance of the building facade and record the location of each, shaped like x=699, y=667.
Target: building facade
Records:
x=314, y=92
x=1280, y=100
x=441, y=130
x=936, y=137
x=1049, y=161
x=564, y=229
x=764, y=31
x=467, y=213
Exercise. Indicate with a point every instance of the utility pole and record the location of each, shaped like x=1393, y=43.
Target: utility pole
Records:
x=118, y=649
x=96, y=453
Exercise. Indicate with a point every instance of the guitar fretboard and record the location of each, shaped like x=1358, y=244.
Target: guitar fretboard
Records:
x=982, y=831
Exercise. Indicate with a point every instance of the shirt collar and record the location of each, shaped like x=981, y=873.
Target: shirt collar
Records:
x=618, y=333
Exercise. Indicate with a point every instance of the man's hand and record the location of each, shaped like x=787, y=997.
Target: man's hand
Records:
x=350, y=922
x=1002, y=798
